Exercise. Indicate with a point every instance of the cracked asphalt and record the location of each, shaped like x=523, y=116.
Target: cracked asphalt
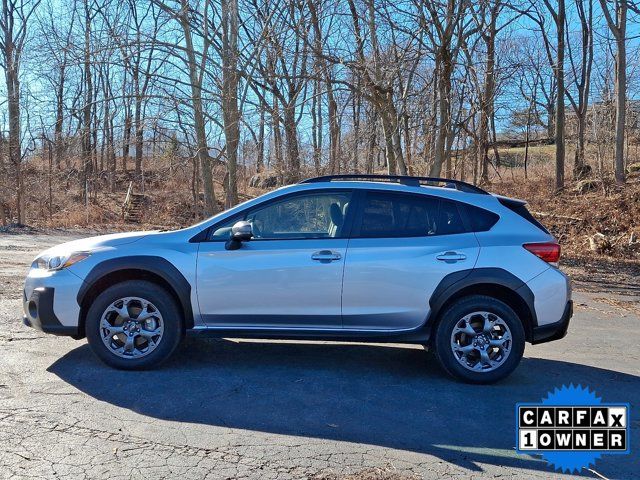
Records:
x=265, y=409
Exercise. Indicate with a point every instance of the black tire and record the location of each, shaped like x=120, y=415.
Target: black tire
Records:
x=449, y=320
x=165, y=304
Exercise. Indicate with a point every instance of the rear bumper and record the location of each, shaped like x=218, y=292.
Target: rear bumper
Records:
x=39, y=314
x=553, y=331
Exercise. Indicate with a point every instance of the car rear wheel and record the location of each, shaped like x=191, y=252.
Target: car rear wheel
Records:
x=479, y=339
x=134, y=325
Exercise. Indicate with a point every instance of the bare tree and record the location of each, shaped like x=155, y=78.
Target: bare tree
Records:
x=325, y=72
x=87, y=109
x=196, y=69
x=486, y=13
x=447, y=34
x=14, y=21
x=559, y=19
x=617, y=22
x=230, y=79
x=56, y=43
x=581, y=78
x=556, y=60
x=379, y=86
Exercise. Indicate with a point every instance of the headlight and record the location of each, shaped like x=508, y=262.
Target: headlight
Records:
x=58, y=262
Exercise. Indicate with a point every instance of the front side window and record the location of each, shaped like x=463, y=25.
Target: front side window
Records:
x=390, y=215
x=222, y=231
x=313, y=215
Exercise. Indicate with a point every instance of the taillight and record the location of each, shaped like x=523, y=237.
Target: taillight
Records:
x=547, y=251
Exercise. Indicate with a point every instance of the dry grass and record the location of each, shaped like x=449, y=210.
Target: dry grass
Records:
x=574, y=217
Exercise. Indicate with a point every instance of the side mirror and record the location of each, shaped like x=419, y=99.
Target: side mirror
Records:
x=240, y=232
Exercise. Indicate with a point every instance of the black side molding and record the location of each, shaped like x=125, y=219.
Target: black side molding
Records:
x=455, y=282
x=556, y=330
x=155, y=265
x=45, y=319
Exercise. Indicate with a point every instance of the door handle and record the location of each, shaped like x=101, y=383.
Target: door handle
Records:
x=326, y=256
x=451, y=256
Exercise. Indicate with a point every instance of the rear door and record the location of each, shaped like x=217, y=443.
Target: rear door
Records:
x=402, y=246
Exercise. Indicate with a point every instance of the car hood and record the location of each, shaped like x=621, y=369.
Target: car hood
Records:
x=97, y=242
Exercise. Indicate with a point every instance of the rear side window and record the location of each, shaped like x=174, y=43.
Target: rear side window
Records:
x=449, y=220
x=520, y=208
x=481, y=220
x=392, y=215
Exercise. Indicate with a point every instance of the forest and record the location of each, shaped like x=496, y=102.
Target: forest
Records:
x=186, y=107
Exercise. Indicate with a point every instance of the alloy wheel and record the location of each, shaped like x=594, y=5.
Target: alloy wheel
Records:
x=131, y=327
x=481, y=341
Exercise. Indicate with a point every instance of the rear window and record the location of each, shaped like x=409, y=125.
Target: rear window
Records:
x=520, y=208
x=392, y=215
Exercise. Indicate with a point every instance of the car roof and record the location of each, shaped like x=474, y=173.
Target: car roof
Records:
x=406, y=180
x=444, y=192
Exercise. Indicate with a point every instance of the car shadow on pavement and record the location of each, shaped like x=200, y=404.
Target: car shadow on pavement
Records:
x=389, y=396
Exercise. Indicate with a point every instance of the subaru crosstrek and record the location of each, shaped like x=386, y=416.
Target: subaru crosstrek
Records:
x=437, y=262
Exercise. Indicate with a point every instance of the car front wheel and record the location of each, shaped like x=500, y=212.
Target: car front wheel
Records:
x=479, y=339
x=134, y=325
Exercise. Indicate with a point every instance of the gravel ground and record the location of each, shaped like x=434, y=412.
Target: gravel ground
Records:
x=323, y=410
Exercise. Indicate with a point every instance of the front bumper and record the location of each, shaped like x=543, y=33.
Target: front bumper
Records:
x=39, y=314
x=556, y=330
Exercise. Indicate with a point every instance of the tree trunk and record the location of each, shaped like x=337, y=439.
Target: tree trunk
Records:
x=397, y=145
x=87, y=160
x=334, y=125
x=277, y=138
x=291, y=139
x=580, y=169
x=356, y=105
x=579, y=163
x=15, y=150
x=373, y=120
x=444, y=92
x=621, y=91
x=316, y=126
x=126, y=140
x=260, y=145
x=198, y=115
x=486, y=104
x=57, y=136
x=618, y=26
x=230, y=79
x=560, y=124
x=334, y=130
x=387, y=131
x=551, y=120
x=139, y=132
x=391, y=131
x=111, y=157
x=408, y=142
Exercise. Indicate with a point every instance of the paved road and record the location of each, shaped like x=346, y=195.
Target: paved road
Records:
x=226, y=409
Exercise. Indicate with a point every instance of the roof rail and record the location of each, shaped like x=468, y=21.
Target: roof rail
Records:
x=402, y=179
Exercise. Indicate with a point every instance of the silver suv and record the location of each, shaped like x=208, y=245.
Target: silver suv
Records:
x=344, y=257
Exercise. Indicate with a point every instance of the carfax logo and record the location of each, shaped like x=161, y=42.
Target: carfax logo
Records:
x=572, y=428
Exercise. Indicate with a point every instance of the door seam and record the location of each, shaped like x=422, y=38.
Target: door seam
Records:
x=344, y=266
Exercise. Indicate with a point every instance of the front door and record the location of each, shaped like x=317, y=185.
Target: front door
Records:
x=288, y=276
